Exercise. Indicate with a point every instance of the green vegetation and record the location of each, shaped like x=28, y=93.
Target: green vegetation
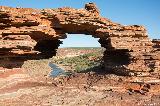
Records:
x=82, y=63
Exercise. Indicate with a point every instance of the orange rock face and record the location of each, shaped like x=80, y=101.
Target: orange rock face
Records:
x=34, y=34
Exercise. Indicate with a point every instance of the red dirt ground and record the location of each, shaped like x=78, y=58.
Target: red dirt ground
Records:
x=90, y=89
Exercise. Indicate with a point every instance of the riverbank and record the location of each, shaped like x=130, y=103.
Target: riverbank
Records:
x=85, y=60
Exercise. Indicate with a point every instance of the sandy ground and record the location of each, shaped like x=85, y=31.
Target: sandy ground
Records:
x=32, y=86
x=17, y=88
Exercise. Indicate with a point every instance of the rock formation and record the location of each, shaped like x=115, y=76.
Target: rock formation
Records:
x=34, y=34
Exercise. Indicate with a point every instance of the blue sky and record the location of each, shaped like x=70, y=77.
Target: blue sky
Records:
x=127, y=12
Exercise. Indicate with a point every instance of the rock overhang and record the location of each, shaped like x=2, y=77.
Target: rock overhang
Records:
x=34, y=34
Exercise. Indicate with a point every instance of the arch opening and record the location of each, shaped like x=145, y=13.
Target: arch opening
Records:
x=80, y=53
x=84, y=50
x=79, y=40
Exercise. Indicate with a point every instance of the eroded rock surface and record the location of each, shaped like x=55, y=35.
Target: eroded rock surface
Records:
x=34, y=34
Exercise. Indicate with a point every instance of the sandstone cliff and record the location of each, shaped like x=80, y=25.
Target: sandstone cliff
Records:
x=34, y=34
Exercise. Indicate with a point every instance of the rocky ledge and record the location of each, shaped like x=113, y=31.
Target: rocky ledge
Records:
x=27, y=33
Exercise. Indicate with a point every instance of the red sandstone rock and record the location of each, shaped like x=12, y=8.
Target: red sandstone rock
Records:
x=31, y=33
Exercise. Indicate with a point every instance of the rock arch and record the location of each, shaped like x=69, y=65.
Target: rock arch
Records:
x=33, y=34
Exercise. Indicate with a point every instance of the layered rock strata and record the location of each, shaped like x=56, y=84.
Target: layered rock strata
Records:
x=34, y=34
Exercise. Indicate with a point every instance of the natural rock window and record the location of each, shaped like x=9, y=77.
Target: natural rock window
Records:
x=46, y=27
